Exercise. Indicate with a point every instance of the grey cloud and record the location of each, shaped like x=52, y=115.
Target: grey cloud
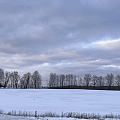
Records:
x=39, y=32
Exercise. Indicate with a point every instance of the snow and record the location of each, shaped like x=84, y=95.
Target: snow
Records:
x=58, y=101
x=6, y=117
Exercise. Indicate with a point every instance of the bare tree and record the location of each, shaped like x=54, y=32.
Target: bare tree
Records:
x=100, y=81
x=7, y=79
x=36, y=77
x=62, y=80
x=80, y=82
x=1, y=77
x=87, y=79
x=94, y=80
x=12, y=79
x=52, y=81
x=109, y=79
x=118, y=80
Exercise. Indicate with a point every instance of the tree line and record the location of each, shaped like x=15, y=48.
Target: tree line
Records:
x=14, y=80
x=88, y=80
x=34, y=80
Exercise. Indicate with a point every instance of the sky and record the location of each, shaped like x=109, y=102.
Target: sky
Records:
x=62, y=36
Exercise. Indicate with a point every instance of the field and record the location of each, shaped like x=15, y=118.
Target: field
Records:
x=58, y=101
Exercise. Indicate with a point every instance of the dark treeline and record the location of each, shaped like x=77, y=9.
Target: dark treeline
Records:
x=89, y=81
x=61, y=81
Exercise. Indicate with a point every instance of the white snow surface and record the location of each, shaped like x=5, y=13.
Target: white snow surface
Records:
x=7, y=117
x=58, y=101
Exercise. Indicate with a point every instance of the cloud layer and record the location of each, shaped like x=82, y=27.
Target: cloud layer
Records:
x=63, y=36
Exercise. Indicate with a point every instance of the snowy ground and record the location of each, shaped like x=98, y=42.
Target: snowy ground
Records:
x=57, y=101
x=3, y=117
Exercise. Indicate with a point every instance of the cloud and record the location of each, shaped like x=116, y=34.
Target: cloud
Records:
x=111, y=66
x=109, y=44
x=59, y=36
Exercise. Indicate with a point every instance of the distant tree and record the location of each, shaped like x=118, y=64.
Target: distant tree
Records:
x=80, y=82
x=26, y=81
x=57, y=81
x=12, y=79
x=67, y=78
x=52, y=81
x=100, y=81
x=109, y=79
x=117, y=80
x=23, y=83
x=1, y=77
x=36, y=77
x=71, y=76
x=62, y=80
x=16, y=79
x=75, y=80
x=94, y=80
x=87, y=79
x=7, y=79
x=29, y=80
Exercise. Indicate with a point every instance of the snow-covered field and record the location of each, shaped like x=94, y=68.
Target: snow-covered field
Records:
x=57, y=101
x=3, y=117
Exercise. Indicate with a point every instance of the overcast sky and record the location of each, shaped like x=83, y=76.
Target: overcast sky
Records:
x=63, y=36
